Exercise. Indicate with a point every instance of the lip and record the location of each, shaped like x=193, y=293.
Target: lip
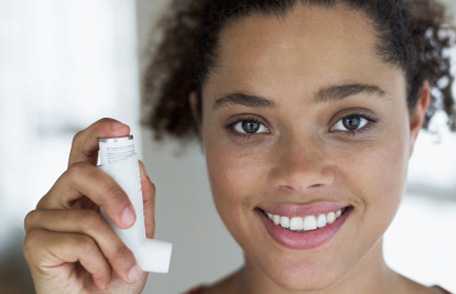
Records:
x=290, y=210
x=305, y=239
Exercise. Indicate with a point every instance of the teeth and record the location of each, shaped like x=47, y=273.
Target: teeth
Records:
x=285, y=221
x=310, y=223
x=276, y=219
x=306, y=223
x=296, y=224
x=338, y=213
x=330, y=217
x=321, y=221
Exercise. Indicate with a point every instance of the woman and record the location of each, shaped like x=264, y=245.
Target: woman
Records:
x=307, y=113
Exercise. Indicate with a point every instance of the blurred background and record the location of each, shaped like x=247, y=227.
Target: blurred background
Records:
x=65, y=64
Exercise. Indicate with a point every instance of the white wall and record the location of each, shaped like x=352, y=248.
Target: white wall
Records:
x=64, y=64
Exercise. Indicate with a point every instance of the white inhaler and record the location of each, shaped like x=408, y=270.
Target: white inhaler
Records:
x=117, y=157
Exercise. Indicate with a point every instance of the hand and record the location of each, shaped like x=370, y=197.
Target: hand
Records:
x=68, y=246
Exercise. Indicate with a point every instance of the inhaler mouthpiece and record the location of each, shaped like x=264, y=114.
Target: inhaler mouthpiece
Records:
x=118, y=159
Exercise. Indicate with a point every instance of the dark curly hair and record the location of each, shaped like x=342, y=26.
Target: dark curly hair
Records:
x=413, y=35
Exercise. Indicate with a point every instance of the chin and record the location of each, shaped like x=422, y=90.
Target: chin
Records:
x=312, y=278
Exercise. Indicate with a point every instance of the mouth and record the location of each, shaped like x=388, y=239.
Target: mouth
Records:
x=308, y=232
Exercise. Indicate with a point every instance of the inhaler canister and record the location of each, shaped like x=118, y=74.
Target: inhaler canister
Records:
x=117, y=157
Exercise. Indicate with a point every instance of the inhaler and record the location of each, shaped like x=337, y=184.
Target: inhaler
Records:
x=117, y=157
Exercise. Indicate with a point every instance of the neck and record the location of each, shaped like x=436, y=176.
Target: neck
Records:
x=370, y=275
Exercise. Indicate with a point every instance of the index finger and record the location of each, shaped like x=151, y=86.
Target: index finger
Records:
x=85, y=143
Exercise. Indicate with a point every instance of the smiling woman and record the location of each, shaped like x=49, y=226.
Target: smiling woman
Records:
x=308, y=113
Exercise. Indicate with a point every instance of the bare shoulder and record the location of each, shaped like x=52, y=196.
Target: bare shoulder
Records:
x=229, y=285
x=440, y=290
x=418, y=288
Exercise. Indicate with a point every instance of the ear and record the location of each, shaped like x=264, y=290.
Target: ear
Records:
x=193, y=104
x=419, y=113
x=193, y=100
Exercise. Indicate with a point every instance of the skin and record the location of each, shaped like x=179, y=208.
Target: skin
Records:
x=68, y=246
x=303, y=157
x=302, y=153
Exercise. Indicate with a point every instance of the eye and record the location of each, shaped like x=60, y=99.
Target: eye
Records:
x=247, y=127
x=353, y=123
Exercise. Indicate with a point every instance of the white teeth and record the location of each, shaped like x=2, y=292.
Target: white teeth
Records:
x=285, y=222
x=321, y=221
x=306, y=223
x=276, y=219
x=296, y=224
x=330, y=217
x=338, y=213
x=310, y=223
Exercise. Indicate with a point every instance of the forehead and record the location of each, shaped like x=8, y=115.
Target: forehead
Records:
x=313, y=44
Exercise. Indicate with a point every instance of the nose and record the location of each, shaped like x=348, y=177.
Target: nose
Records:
x=300, y=166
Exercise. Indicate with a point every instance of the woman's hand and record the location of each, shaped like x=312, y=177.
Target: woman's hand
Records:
x=68, y=246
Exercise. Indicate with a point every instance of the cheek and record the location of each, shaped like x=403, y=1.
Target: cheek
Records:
x=232, y=173
x=235, y=179
x=376, y=175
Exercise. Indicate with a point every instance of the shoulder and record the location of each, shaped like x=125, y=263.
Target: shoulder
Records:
x=196, y=289
x=442, y=290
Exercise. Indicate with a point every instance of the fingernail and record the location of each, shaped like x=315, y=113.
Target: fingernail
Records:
x=135, y=274
x=118, y=126
x=128, y=216
x=102, y=285
x=143, y=171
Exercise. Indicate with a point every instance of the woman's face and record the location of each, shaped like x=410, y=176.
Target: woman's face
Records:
x=302, y=149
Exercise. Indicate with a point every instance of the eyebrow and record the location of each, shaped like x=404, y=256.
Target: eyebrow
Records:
x=324, y=95
x=340, y=92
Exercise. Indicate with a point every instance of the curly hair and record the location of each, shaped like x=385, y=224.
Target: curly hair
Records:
x=413, y=35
